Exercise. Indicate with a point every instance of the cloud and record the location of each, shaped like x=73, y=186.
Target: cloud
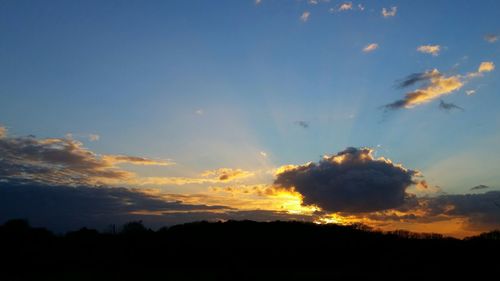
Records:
x=257, y=2
x=437, y=85
x=386, y=13
x=65, y=161
x=486, y=66
x=370, y=47
x=263, y=154
x=412, y=79
x=492, y=38
x=3, y=132
x=65, y=208
x=303, y=124
x=305, y=16
x=54, y=160
x=312, y=2
x=449, y=106
x=227, y=174
x=199, y=112
x=94, y=137
x=345, y=6
x=481, y=211
x=479, y=187
x=119, y=159
x=470, y=92
x=350, y=181
x=430, y=49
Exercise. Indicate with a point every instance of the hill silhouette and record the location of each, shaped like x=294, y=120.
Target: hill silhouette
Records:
x=238, y=250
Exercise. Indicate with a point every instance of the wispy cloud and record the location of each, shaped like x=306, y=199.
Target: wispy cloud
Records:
x=492, y=38
x=470, y=92
x=303, y=124
x=449, y=106
x=226, y=174
x=257, y=2
x=312, y=2
x=479, y=187
x=387, y=13
x=370, y=47
x=305, y=16
x=430, y=49
x=94, y=137
x=120, y=159
x=345, y=6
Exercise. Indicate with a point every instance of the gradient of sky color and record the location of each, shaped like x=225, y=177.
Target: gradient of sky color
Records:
x=211, y=84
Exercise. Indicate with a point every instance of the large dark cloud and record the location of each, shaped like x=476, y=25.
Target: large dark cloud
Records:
x=64, y=208
x=351, y=181
x=482, y=211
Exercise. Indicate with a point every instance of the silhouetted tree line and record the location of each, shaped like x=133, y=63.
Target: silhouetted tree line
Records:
x=239, y=250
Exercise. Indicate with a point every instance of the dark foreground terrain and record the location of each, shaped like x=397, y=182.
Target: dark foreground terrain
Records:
x=242, y=250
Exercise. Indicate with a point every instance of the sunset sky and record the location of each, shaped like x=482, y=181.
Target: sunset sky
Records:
x=380, y=112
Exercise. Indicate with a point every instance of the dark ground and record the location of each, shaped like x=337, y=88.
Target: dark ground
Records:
x=243, y=250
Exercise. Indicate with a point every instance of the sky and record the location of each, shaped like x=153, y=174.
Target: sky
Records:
x=380, y=112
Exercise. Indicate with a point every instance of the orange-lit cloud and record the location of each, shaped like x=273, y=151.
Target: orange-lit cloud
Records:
x=119, y=159
x=349, y=181
x=370, y=47
x=3, y=131
x=435, y=86
x=391, y=12
x=430, y=49
x=486, y=66
x=227, y=174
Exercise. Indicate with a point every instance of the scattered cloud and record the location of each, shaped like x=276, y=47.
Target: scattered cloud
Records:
x=435, y=86
x=94, y=137
x=449, y=106
x=305, y=16
x=3, y=132
x=65, y=161
x=199, y=112
x=263, y=154
x=350, y=181
x=480, y=187
x=257, y=2
x=312, y=2
x=303, y=124
x=345, y=6
x=386, y=13
x=486, y=66
x=370, y=47
x=430, y=49
x=470, y=92
x=492, y=38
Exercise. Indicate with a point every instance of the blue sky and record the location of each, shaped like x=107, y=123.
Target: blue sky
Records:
x=211, y=84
